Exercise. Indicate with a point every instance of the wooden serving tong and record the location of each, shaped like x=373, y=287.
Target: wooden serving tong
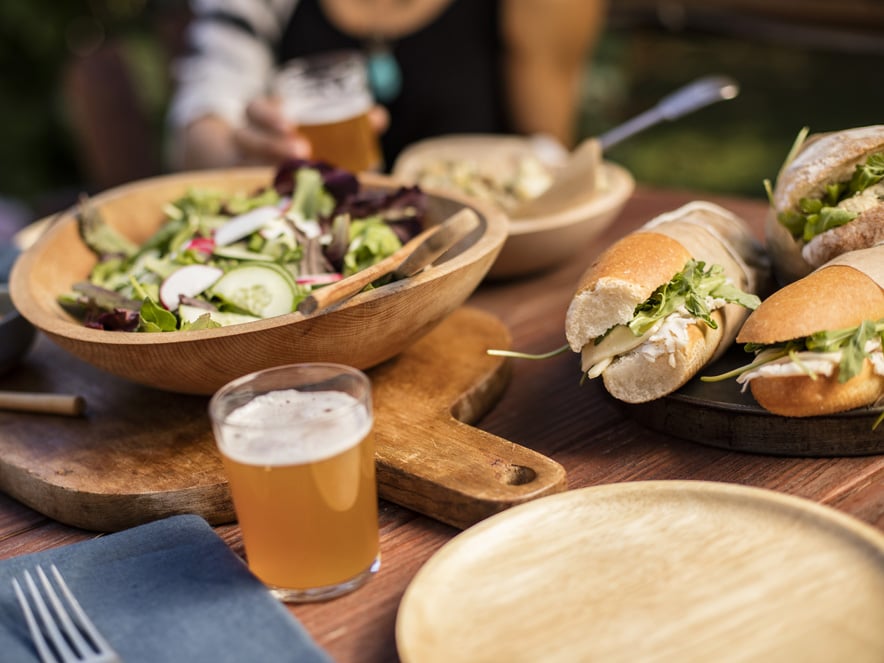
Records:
x=421, y=251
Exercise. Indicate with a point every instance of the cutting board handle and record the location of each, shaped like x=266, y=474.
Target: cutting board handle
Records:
x=430, y=455
x=461, y=474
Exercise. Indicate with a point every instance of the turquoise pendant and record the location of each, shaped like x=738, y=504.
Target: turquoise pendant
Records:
x=384, y=75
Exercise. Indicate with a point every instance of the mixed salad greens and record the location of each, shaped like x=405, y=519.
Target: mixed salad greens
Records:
x=221, y=259
x=815, y=216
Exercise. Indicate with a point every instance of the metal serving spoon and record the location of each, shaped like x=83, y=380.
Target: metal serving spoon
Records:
x=577, y=174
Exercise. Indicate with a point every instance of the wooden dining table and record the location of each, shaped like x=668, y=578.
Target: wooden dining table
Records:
x=545, y=408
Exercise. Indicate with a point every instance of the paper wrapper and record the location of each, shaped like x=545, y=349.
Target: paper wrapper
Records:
x=717, y=236
x=868, y=261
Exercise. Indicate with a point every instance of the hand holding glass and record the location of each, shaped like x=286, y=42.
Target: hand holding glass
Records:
x=328, y=97
x=298, y=450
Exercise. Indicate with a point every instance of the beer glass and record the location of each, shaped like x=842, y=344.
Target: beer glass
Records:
x=298, y=451
x=328, y=97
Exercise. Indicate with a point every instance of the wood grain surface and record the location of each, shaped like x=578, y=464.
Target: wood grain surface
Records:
x=544, y=408
x=140, y=454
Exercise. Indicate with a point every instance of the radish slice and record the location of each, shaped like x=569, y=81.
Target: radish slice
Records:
x=318, y=279
x=245, y=224
x=189, y=281
x=201, y=244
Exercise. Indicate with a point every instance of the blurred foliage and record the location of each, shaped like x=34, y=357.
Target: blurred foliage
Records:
x=730, y=147
x=38, y=40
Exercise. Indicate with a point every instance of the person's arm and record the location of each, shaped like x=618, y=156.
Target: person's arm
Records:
x=548, y=45
x=219, y=114
x=263, y=138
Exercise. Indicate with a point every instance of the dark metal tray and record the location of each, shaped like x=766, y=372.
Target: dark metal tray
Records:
x=721, y=415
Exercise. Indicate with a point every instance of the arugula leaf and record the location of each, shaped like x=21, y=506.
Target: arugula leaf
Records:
x=851, y=342
x=868, y=174
x=691, y=288
x=817, y=215
x=853, y=353
x=828, y=218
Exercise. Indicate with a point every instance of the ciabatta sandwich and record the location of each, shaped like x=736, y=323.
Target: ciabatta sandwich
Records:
x=664, y=301
x=828, y=199
x=818, y=340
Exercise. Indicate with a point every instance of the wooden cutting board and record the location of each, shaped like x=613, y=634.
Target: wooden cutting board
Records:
x=140, y=454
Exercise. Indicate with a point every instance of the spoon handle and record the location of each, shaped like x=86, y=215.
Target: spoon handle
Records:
x=691, y=97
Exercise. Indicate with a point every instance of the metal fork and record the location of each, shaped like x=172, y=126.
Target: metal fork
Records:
x=67, y=634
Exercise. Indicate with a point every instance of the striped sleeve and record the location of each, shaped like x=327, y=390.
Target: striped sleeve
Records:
x=230, y=58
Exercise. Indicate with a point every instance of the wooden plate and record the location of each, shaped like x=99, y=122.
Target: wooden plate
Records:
x=721, y=415
x=656, y=570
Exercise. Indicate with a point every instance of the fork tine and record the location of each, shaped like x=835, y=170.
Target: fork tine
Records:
x=76, y=640
x=63, y=632
x=43, y=650
x=80, y=615
x=55, y=636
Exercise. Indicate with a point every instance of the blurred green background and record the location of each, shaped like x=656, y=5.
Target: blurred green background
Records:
x=81, y=74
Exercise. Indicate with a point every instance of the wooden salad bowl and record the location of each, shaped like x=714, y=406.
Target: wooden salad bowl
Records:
x=365, y=330
x=545, y=236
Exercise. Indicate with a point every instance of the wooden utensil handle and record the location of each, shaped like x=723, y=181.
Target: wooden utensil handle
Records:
x=66, y=404
x=341, y=290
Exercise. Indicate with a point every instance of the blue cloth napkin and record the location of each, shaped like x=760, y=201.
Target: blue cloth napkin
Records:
x=171, y=590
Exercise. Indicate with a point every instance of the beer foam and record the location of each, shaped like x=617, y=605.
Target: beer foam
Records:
x=288, y=427
x=325, y=111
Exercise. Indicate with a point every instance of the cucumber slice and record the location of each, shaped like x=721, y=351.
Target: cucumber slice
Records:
x=223, y=318
x=239, y=253
x=261, y=289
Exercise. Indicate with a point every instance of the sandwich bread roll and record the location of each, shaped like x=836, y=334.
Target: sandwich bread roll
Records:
x=642, y=360
x=840, y=309
x=828, y=199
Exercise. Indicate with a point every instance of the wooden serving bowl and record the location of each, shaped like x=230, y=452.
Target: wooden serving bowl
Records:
x=534, y=243
x=367, y=329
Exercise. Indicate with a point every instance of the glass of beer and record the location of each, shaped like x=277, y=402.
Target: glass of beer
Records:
x=298, y=451
x=328, y=97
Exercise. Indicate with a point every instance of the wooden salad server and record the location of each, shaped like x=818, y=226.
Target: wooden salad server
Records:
x=419, y=252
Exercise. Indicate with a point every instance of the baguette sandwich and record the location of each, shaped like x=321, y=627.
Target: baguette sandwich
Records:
x=664, y=301
x=818, y=340
x=828, y=199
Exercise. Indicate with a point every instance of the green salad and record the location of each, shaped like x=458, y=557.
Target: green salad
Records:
x=220, y=259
